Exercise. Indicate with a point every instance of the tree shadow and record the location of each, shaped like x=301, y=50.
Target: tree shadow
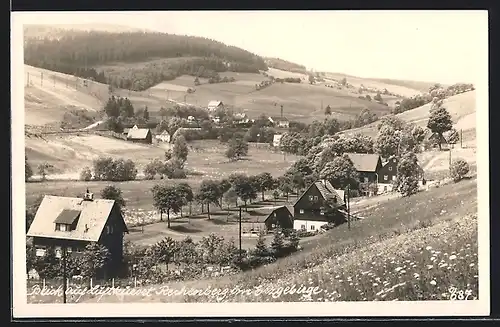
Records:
x=185, y=229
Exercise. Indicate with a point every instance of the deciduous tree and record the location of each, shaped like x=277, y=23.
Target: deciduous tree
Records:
x=440, y=122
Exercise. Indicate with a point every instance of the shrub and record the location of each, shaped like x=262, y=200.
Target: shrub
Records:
x=458, y=169
x=86, y=174
x=178, y=173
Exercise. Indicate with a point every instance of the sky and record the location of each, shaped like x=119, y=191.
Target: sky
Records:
x=434, y=46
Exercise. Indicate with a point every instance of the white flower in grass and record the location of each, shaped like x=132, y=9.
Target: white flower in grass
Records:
x=428, y=248
x=452, y=257
x=398, y=269
x=375, y=284
x=433, y=282
x=471, y=265
x=416, y=275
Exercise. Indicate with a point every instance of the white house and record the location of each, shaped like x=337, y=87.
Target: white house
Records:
x=281, y=122
x=277, y=140
x=241, y=118
x=213, y=105
x=163, y=137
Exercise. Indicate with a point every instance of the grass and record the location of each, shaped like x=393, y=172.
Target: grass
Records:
x=394, y=234
x=460, y=107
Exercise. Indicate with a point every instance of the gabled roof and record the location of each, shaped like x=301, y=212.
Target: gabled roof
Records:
x=138, y=133
x=364, y=161
x=271, y=210
x=214, y=103
x=93, y=217
x=327, y=191
x=275, y=118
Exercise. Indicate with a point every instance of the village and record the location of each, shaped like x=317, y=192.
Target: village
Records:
x=204, y=170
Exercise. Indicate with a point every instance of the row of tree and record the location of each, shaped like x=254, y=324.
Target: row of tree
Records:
x=78, y=53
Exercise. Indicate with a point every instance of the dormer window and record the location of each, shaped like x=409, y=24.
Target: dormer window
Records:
x=67, y=220
x=109, y=229
x=63, y=227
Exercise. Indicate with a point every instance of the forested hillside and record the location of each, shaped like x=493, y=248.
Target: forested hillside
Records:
x=85, y=53
x=285, y=65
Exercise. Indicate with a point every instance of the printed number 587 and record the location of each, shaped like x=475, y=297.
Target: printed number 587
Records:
x=459, y=295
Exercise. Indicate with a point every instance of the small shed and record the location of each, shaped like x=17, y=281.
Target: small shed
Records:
x=140, y=135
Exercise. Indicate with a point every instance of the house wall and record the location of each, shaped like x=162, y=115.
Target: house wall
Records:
x=281, y=217
x=387, y=173
x=309, y=208
x=308, y=225
x=384, y=187
x=75, y=246
x=113, y=241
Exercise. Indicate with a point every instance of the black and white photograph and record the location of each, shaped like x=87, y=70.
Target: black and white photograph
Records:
x=250, y=163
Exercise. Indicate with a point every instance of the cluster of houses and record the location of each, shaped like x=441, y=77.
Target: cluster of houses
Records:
x=68, y=224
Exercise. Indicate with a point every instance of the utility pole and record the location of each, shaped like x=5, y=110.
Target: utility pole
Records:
x=348, y=207
x=65, y=277
x=461, y=138
x=240, y=234
x=27, y=84
x=450, y=158
x=41, y=79
x=281, y=111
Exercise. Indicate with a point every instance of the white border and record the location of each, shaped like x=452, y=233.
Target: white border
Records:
x=340, y=309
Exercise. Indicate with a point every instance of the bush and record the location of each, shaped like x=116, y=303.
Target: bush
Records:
x=107, y=169
x=458, y=169
x=178, y=173
x=86, y=174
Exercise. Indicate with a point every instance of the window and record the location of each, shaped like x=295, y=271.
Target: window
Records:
x=390, y=168
x=312, y=227
x=58, y=251
x=69, y=249
x=386, y=177
x=322, y=213
x=366, y=179
x=316, y=198
x=393, y=178
x=303, y=227
x=385, y=188
x=109, y=229
x=311, y=198
x=40, y=252
x=301, y=211
x=62, y=227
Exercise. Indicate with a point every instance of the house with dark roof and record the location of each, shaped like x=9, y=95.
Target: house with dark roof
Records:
x=66, y=224
x=140, y=135
x=367, y=165
x=320, y=204
x=387, y=175
x=279, y=217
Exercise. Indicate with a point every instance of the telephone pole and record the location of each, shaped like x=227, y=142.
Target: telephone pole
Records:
x=461, y=138
x=240, y=234
x=348, y=205
x=27, y=84
x=65, y=277
x=41, y=79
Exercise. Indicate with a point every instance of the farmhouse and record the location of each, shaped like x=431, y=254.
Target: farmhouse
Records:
x=367, y=165
x=241, y=118
x=69, y=224
x=277, y=140
x=320, y=204
x=279, y=217
x=163, y=137
x=140, y=135
x=214, y=105
x=281, y=122
x=433, y=140
x=387, y=175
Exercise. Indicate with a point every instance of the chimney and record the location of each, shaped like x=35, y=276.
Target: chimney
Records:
x=88, y=196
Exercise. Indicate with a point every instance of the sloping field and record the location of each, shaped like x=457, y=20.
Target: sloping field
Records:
x=415, y=85
x=428, y=243
x=406, y=90
x=278, y=73
x=48, y=95
x=462, y=108
x=71, y=153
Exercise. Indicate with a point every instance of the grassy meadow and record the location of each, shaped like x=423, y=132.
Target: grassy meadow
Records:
x=428, y=242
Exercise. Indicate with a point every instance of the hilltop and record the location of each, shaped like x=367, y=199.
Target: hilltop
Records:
x=56, y=31
x=462, y=108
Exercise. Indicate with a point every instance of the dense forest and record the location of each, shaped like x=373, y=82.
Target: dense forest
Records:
x=83, y=53
x=285, y=65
